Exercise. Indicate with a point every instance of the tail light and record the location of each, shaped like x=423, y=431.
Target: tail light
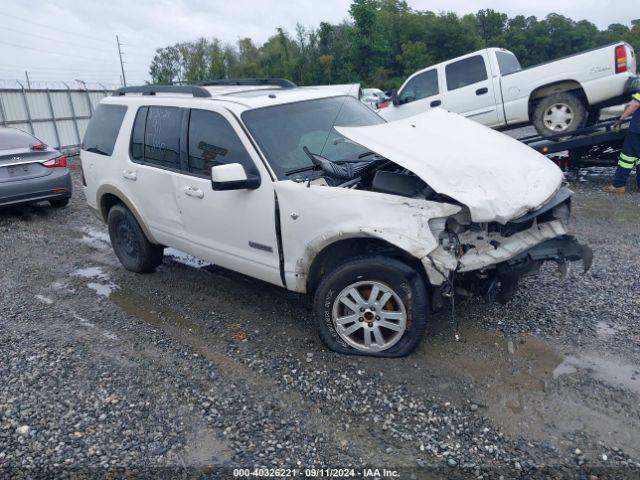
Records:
x=39, y=146
x=621, y=59
x=383, y=104
x=59, y=162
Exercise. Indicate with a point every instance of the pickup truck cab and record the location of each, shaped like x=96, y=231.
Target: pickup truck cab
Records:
x=490, y=87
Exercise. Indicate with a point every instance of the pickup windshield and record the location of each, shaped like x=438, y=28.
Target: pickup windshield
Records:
x=283, y=130
x=507, y=62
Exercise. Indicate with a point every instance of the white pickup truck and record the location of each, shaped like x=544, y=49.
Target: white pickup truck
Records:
x=490, y=87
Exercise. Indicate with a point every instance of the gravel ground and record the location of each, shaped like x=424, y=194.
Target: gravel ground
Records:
x=193, y=370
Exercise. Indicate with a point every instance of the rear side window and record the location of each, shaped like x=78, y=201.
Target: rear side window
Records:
x=465, y=72
x=156, y=136
x=103, y=129
x=213, y=141
x=507, y=62
x=421, y=86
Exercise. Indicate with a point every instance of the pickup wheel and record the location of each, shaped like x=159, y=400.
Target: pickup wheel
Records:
x=558, y=113
x=133, y=249
x=592, y=117
x=374, y=306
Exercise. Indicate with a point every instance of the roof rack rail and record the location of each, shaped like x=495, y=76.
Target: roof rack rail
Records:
x=277, y=82
x=194, y=90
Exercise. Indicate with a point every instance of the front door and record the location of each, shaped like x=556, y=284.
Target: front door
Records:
x=234, y=229
x=419, y=94
x=470, y=91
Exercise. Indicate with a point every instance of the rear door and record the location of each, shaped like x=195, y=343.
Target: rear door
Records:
x=420, y=93
x=149, y=176
x=236, y=228
x=469, y=90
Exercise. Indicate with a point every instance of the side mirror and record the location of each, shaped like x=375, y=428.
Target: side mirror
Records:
x=232, y=176
x=394, y=97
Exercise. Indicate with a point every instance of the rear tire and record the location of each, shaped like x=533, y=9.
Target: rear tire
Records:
x=592, y=117
x=559, y=113
x=130, y=244
x=59, y=203
x=372, y=300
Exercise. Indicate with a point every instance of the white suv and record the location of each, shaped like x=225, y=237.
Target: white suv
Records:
x=310, y=190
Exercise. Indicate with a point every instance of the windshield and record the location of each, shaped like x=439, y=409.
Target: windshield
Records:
x=283, y=130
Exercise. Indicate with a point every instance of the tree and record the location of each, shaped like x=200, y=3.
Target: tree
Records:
x=382, y=43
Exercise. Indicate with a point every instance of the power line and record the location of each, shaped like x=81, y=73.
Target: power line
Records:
x=67, y=32
x=51, y=38
x=47, y=51
x=87, y=69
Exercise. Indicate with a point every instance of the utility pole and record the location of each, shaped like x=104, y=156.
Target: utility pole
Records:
x=124, y=80
x=26, y=74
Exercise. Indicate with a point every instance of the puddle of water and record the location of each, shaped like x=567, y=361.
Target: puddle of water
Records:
x=607, y=370
x=95, y=234
x=91, y=272
x=185, y=258
x=102, y=289
x=605, y=329
x=84, y=322
x=44, y=299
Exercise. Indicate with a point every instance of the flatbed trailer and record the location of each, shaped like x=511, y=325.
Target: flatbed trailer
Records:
x=596, y=145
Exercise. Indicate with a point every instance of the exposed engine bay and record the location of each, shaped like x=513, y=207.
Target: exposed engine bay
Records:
x=484, y=259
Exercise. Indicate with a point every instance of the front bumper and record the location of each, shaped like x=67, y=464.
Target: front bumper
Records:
x=57, y=185
x=561, y=250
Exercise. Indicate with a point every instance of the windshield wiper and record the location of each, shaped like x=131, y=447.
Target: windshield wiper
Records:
x=301, y=169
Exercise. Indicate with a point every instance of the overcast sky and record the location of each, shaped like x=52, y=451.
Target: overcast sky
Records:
x=71, y=39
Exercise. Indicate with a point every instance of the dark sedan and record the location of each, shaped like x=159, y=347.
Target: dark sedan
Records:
x=31, y=171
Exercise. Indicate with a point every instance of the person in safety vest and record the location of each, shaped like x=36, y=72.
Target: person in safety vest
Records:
x=630, y=155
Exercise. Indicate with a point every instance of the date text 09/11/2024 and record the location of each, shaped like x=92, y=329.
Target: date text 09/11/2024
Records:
x=315, y=473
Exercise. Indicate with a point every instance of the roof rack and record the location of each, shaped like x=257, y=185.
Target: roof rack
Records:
x=277, y=82
x=194, y=90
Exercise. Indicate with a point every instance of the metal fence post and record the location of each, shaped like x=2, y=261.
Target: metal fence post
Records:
x=88, y=101
x=73, y=114
x=53, y=119
x=26, y=107
x=2, y=111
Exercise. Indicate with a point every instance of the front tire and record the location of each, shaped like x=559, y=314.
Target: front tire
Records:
x=133, y=249
x=559, y=113
x=374, y=306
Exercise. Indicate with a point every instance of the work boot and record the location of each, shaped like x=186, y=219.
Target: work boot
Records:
x=612, y=189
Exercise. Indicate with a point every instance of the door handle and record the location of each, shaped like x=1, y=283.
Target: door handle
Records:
x=130, y=175
x=435, y=103
x=482, y=91
x=193, y=192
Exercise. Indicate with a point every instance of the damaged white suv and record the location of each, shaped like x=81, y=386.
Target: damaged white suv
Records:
x=310, y=190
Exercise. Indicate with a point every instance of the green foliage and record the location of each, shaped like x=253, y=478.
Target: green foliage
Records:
x=382, y=43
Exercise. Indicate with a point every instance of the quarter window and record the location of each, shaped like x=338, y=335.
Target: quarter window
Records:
x=422, y=85
x=213, y=141
x=103, y=129
x=465, y=72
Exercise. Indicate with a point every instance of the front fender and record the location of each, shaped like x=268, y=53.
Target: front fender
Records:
x=315, y=217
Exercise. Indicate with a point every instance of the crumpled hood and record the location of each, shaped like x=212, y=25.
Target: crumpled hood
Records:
x=497, y=177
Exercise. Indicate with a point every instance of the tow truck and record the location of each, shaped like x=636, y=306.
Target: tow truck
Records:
x=597, y=145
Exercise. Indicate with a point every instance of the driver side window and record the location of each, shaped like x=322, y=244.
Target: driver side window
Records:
x=421, y=86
